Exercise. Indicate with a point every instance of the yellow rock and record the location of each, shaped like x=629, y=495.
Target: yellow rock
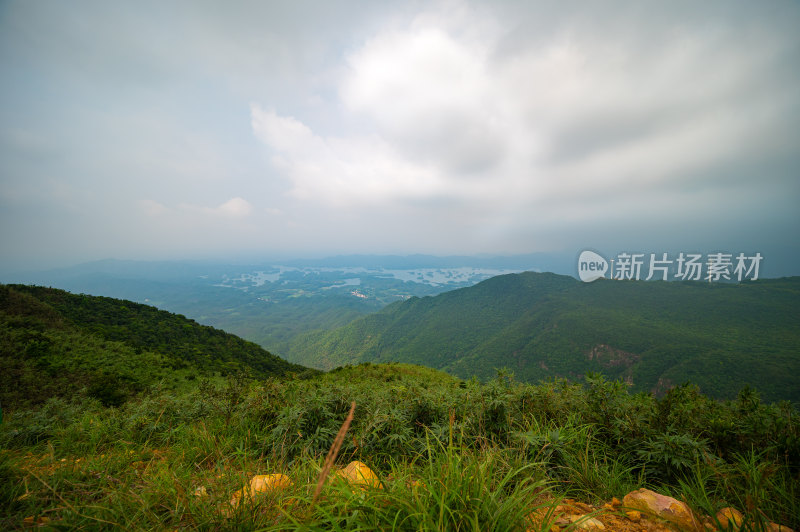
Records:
x=661, y=506
x=261, y=484
x=358, y=474
x=634, y=516
x=730, y=518
x=269, y=483
x=583, y=522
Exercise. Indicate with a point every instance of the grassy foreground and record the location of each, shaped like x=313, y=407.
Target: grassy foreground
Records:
x=450, y=455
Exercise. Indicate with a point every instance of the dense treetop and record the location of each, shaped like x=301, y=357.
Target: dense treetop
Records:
x=53, y=342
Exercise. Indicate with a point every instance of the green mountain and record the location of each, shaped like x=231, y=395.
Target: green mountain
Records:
x=652, y=334
x=54, y=343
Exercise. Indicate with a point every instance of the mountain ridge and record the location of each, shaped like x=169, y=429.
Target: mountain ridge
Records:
x=55, y=343
x=652, y=334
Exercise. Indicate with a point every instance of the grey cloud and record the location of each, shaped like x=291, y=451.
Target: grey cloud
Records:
x=466, y=145
x=127, y=129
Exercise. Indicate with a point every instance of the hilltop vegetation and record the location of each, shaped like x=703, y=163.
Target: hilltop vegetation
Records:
x=653, y=334
x=53, y=343
x=449, y=454
x=117, y=416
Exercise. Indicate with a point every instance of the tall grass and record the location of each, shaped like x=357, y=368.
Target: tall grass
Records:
x=451, y=455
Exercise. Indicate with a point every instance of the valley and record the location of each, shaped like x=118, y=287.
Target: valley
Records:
x=272, y=303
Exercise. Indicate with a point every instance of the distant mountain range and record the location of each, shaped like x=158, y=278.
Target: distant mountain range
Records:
x=272, y=302
x=333, y=312
x=541, y=325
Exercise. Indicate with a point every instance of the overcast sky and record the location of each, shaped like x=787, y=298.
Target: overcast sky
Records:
x=168, y=130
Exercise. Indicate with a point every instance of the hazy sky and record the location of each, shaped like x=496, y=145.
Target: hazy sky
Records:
x=164, y=130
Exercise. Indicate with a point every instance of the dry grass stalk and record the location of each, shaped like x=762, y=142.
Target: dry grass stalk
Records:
x=333, y=452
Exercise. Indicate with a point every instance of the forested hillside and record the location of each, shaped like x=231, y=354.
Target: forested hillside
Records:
x=54, y=343
x=117, y=415
x=653, y=334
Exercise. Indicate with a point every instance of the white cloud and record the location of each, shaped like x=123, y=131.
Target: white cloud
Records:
x=546, y=125
x=153, y=208
x=432, y=95
x=234, y=208
x=342, y=171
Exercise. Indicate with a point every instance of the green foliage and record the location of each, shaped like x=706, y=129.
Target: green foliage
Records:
x=655, y=335
x=455, y=490
x=450, y=454
x=147, y=328
x=57, y=344
x=107, y=388
x=110, y=421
